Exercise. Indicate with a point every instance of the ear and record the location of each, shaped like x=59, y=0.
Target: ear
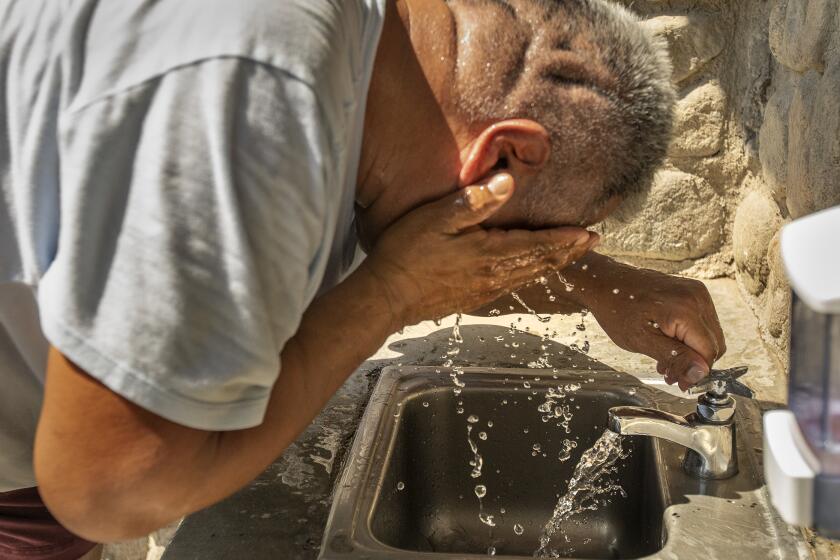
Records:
x=520, y=146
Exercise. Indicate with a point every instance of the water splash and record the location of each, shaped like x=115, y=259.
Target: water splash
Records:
x=452, y=350
x=566, y=453
x=529, y=309
x=589, y=488
x=568, y=285
x=477, y=462
x=554, y=406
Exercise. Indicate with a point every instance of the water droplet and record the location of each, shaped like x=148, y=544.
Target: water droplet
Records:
x=482, y=435
x=616, y=290
x=426, y=404
x=480, y=490
x=487, y=519
x=491, y=551
x=459, y=410
x=526, y=384
x=400, y=485
x=472, y=419
x=489, y=423
x=518, y=529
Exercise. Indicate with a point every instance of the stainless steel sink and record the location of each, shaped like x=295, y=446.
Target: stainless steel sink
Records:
x=407, y=490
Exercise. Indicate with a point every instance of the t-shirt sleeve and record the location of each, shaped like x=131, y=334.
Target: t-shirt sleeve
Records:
x=192, y=210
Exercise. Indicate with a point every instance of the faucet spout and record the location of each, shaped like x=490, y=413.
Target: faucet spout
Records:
x=640, y=421
x=711, y=447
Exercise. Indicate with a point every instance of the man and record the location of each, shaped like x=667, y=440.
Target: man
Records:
x=182, y=187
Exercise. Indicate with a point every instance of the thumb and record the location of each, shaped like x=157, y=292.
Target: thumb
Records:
x=676, y=361
x=472, y=205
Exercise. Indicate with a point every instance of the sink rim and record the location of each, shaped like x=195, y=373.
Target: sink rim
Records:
x=348, y=531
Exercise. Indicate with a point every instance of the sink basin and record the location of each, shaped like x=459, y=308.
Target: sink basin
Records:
x=407, y=491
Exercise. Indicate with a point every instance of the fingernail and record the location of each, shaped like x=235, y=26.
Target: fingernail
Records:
x=500, y=185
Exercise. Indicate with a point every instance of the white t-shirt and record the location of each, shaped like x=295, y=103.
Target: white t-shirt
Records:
x=176, y=184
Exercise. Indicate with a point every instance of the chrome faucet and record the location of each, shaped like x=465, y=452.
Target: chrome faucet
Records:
x=708, y=432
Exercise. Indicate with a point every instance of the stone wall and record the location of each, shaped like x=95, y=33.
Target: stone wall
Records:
x=757, y=143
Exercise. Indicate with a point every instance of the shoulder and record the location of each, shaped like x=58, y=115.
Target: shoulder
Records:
x=128, y=42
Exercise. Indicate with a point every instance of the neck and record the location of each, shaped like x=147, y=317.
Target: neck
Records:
x=409, y=153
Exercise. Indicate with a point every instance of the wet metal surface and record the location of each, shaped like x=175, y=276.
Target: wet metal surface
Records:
x=406, y=491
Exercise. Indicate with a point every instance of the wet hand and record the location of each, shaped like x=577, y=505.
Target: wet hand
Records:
x=668, y=318
x=438, y=260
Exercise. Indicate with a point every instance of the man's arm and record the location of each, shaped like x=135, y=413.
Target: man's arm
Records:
x=110, y=470
x=127, y=472
x=669, y=318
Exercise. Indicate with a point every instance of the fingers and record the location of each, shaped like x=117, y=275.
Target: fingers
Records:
x=713, y=324
x=472, y=205
x=678, y=362
x=697, y=336
x=540, y=249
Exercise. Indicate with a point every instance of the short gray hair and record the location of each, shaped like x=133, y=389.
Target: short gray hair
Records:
x=593, y=77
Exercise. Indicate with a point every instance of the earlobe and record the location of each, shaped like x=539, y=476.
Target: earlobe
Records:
x=515, y=145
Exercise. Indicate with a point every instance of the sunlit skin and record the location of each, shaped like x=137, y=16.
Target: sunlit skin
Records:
x=434, y=207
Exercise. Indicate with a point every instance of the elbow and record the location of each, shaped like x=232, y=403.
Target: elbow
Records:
x=96, y=509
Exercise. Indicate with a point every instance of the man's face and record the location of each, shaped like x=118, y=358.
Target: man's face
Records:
x=579, y=206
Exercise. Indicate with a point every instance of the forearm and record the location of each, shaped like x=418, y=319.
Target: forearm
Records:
x=134, y=476
x=339, y=331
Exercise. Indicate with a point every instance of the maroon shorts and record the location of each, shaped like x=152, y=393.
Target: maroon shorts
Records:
x=29, y=532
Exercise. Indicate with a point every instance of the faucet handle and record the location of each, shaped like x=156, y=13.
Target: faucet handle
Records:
x=721, y=382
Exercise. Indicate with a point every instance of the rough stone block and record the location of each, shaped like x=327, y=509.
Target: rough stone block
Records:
x=698, y=126
x=813, y=178
x=800, y=31
x=774, y=313
x=773, y=135
x=693, y=40
x=680, y=218
x=756, y=221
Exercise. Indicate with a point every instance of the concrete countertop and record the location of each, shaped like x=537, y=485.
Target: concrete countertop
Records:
x=281, y=514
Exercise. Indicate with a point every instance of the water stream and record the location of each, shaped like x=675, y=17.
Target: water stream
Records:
x=589, y=488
